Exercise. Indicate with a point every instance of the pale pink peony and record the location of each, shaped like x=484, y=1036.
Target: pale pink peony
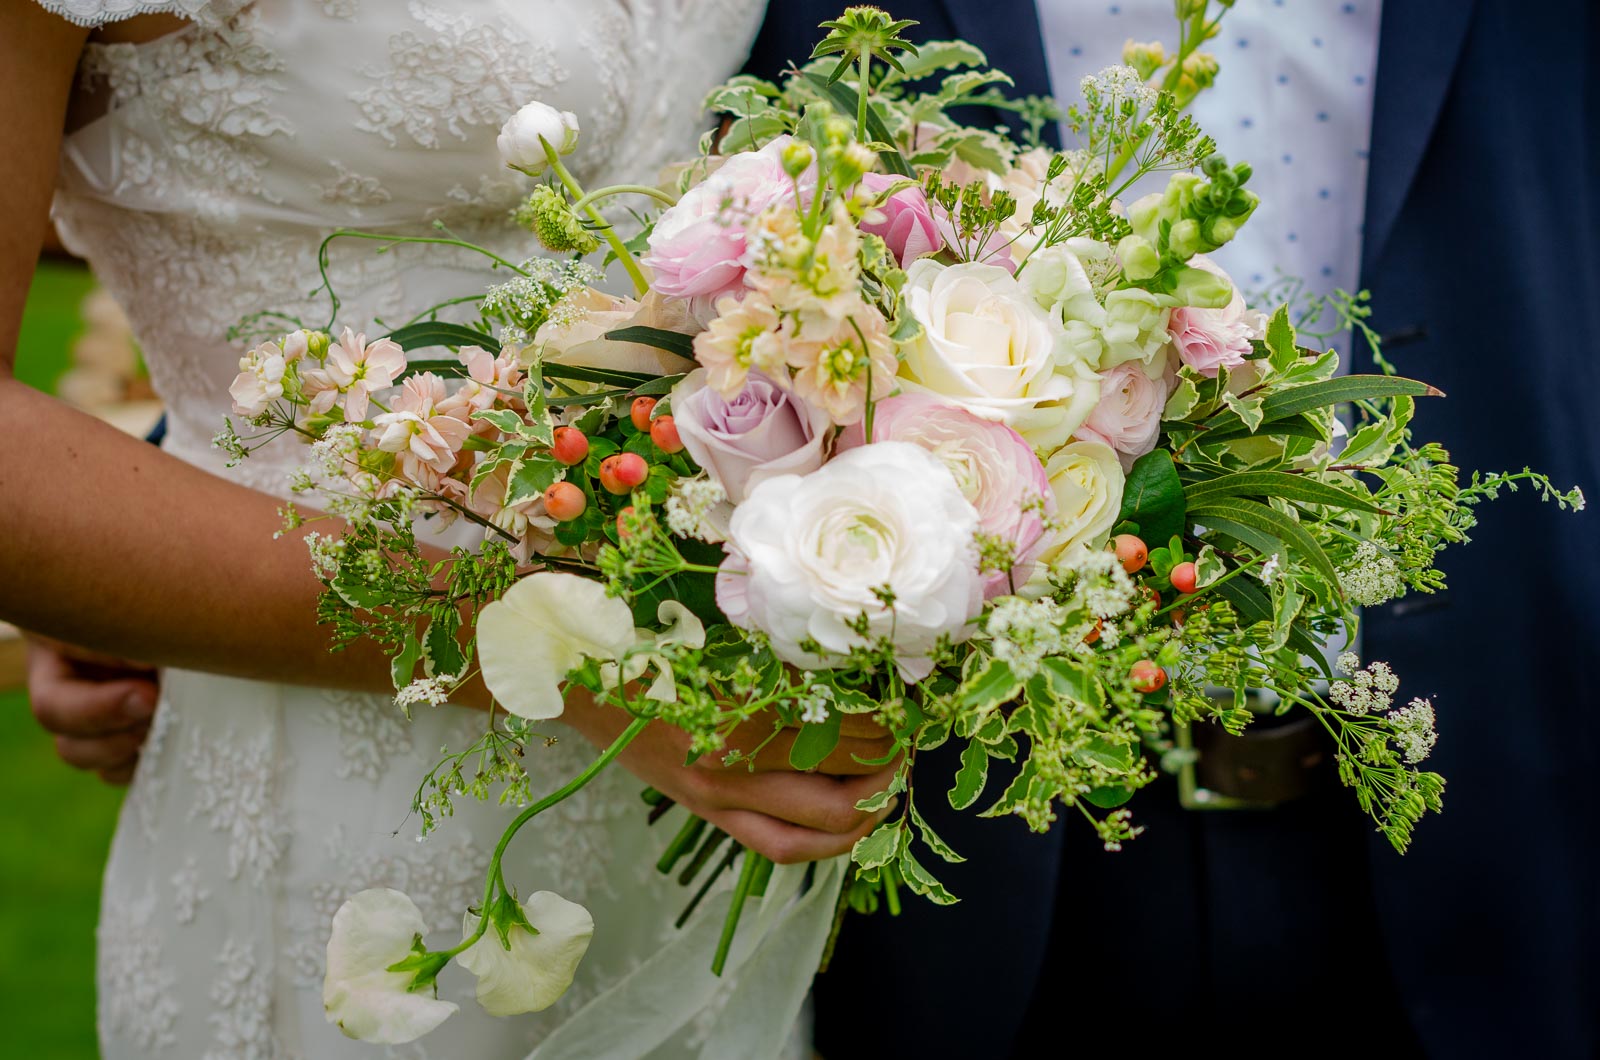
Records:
x=904, y=220
x=426, y=439
x=697, y=248
x=993, y=465
x=354, y=369
x=761, y=431
x=1128, y=417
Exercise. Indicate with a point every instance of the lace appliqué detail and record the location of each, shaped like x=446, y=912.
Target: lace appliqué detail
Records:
x=345, y=9
x=150, y=779
x=443, y=877
x=236, y=792
x=241, y=1000
x=463, y=72
x=187, y=894
x=210, y=96
x=352, y=189
x=138, y=993
x=371, y=731
x=100, y=12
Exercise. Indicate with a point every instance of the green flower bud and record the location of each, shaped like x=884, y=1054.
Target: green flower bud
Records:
x=1202, y=68
x=1200, y=288
x=851, y=163
x=1139, y=258
x=797, y=158
x=549, y=217
x=1184, y=240
x=1146, y=57
x=317, y=345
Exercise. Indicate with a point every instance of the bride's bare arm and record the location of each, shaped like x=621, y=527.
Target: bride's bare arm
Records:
x=108, y=543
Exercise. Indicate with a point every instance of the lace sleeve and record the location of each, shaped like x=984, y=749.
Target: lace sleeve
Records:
x=101, y=12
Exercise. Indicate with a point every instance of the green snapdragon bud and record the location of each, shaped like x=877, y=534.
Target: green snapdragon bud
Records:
x=797, y=158
x=1185, y=240
x=1139, y=258
x=1201, y=288
x=317, y=345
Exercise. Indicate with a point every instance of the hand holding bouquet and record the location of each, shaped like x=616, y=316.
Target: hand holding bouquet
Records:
x=902, y=420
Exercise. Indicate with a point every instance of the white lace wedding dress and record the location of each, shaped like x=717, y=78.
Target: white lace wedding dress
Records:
x=221, y=156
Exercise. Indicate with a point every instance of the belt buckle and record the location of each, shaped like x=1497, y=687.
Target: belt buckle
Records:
x=1259, y=770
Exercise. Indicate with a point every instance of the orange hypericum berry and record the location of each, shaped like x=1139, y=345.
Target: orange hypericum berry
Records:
x=664, y=432
x=1094, y=634
x=570, y=447
x=608, y=475
x=640, y=412
x=564, y=501
x=1131, y=552
x=622, y=522
x=1147, y=676
x=630, y=470
x=1184, y=577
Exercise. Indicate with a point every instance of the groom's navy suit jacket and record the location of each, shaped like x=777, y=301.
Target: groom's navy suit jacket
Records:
x=1234, y=931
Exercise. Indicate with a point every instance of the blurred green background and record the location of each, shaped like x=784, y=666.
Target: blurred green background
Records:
x=55, y=833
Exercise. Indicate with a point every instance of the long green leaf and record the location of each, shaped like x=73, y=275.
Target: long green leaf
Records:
x=662, y=339
x=1269, y=520
x=1228, y=427
x=585, y=374
x=1276, y=484
x=845, y=101
x=1336, y=391
x=1253, y=605
x=439, y=333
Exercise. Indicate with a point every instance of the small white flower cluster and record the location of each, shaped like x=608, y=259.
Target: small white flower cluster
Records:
x=1117, y=83
x=1372, y=577
x=1023, y=632
x=689, y=507
x=814, y=707
x=542, y=294
x=331, y=454
x=1368, y=691
x=326, y=553
x=1102, y=584
x=434, y=691
x=1413, y=729
x=1269, y=570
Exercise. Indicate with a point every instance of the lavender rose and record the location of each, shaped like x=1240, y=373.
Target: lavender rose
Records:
x=761, y=431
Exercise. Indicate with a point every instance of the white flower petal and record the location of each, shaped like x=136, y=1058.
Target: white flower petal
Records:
x=371, y=932
x=537, y=969
x=542, y=628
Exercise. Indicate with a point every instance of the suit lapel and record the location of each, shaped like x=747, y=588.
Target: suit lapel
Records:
x=1418, y=48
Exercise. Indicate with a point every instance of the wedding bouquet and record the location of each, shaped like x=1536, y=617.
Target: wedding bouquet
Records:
x=902, y=418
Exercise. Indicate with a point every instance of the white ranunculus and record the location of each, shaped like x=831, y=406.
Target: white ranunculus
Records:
x=548, y=623
x=372, y=931
x=987, y=346
x=1087, y=480
x=523, y=137
x=806, y=554
x=1057, y=280
x=528, y=972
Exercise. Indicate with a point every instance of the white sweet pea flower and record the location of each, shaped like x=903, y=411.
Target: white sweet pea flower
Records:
x=523, y=137
x=528, y=971
x=548, y=623
x=373, y=931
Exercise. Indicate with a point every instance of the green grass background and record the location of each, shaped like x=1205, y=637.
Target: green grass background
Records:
x=56, y=823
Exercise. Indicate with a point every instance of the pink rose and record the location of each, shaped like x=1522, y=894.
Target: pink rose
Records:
x=993, y=465
x=760, y=432
x=1209, y=339
x=697, y=248
x=904, y=220
x=1128, y=416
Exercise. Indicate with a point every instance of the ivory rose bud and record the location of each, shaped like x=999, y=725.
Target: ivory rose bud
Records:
x=1086, y=480
x=1128, y=417
x=762, y=431
x=904, y=219
x=522, y=139
x=994, y=467
x=808, y=557
x=373, y=931
x=987, y=346
x=697, y=248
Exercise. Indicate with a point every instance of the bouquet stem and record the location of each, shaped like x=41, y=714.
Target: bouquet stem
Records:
x=753, y=876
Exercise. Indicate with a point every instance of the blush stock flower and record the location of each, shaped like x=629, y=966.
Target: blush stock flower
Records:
x=354, y=369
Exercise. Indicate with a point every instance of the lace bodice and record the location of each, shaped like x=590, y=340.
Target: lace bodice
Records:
x=228, y=150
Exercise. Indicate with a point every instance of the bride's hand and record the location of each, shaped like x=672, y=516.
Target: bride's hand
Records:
x=777, y=811
x=97, y=708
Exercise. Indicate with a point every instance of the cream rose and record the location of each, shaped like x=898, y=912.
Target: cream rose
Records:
x=987, y=346
x=1086, y=481
x=581, y=340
